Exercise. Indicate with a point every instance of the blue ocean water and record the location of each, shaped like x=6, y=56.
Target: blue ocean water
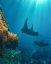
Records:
x=38, y=14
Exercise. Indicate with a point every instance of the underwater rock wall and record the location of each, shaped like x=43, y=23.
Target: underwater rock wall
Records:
x=7, y=38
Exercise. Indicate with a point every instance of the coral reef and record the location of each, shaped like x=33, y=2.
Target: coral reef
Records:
x=10, y=57
x=6, y=37
x=34, y=56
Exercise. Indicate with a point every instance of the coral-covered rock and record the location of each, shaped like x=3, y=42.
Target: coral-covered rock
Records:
x=6, y=37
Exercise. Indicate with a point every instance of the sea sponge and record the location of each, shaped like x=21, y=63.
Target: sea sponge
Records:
x=6, y=37
x=12, y=38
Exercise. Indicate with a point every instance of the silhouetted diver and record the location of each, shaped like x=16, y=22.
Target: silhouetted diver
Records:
x=28, y=31
x=41, y=43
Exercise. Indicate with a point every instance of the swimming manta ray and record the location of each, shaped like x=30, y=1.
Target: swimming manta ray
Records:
x=41, y=43
x=28, y=31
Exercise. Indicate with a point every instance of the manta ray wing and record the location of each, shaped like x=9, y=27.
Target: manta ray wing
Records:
x=32, y=27
x=25, y=25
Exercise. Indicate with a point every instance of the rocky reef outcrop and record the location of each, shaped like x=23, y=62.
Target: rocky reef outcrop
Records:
x=7, y=38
